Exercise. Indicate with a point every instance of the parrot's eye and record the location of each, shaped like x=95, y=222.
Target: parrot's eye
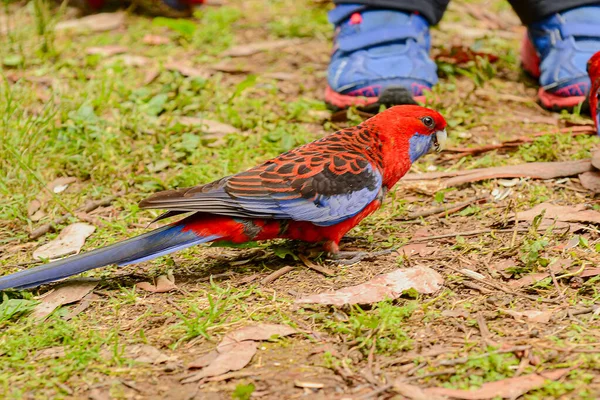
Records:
x=428, y=122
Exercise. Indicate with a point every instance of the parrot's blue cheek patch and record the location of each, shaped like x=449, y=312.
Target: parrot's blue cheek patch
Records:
x=419, y=145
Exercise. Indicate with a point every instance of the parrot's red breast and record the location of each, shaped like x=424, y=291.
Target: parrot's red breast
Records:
x=593, y=68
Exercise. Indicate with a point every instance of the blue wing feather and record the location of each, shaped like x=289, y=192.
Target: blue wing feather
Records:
x=322, y=209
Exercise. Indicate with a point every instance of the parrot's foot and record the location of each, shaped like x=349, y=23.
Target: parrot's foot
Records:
x=352, y=257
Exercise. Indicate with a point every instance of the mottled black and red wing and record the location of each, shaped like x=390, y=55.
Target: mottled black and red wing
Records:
x=321, y=187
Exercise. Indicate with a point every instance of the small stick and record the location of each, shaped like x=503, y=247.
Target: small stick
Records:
x=376, y=392
x=443, y=209
x=472, y=285
x=88, y=207
x=483, y=329
x=319, y=268
x=450, y=211
x=449, y=371
x=276, y=275
x=505, y=290
x=557, y=286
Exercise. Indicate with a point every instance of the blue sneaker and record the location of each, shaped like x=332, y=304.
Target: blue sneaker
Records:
x=557, y=49
x=379, y=57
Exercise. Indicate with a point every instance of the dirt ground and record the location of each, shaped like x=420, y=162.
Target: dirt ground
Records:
x=108, y=107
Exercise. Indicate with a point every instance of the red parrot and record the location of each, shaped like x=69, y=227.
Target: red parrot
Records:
x=314, y=193
x=593, y=68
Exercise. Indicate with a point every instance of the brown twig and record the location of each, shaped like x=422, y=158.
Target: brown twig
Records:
x=277, y=274
x=483, y=329
x=89, y=206
x=316, y=267
x=472, y=285
x=444, y=208
x=415, y=369
x=557, y=286
x=449, y=371
x=504, y=289
x=376, y=392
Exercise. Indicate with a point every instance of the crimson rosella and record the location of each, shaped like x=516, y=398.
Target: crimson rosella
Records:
x=314, y=193
x=593, y=69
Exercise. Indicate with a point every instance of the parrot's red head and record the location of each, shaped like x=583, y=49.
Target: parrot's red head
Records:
x=593, y=69
x=407, y=132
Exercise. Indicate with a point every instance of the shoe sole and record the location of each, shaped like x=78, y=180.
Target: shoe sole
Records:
x=391, y=96
x=556, y=103
x=530, y=62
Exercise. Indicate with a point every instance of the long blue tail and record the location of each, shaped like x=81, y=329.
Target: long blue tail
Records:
x=145, y=247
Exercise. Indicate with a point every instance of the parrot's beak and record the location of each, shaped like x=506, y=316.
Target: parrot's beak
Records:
x=439, y=140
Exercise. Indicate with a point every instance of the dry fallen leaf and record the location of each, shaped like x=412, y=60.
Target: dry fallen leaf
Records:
x=235, y=350
x=596, y=158
x=95, y=22
x=61, y=184
x=590, y=180
x=33, y=207
x=309, y=384
x=390, y=285
x=506, y=388
x=542, y=317
x=70, y=240
x=502, y=266
x=187, y=70
x=133, y=60
x=208, y=126
x=204, y=360
x=64, y=294
x=415, y=249
x=156, y=40
x=530, y=279
x=145, y=353
x=257, y=47
x=254, y=332
x=85, y=302
x=164, y=283
x=99, y=394
x=109, y=50
x=575, y=213
x=37, y=216
x=285, y=76
x=237, y=356
x=8, y=251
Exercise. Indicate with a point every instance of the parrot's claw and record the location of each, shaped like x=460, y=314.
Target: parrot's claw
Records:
x=352, y=257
